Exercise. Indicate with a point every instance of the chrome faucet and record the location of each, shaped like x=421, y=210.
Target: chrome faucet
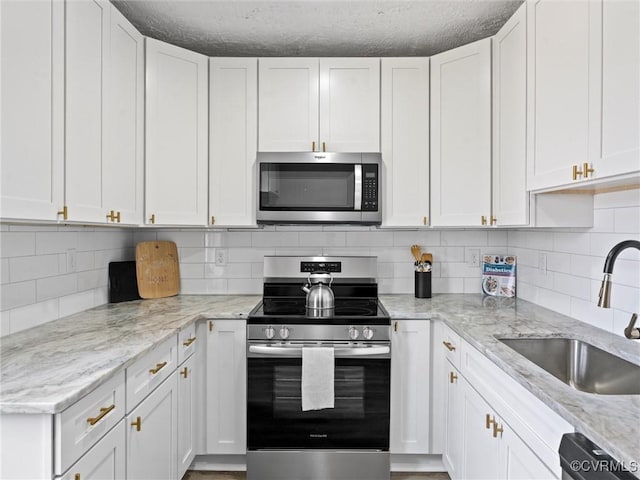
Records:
x=604, y=299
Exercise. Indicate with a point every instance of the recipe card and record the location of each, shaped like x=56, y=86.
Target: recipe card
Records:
x=499, y=275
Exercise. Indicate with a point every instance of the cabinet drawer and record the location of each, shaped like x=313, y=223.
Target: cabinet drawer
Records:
x=82, y=424
x=187, y=343
x=149, y=371
x=451, y=346
x=105, y=460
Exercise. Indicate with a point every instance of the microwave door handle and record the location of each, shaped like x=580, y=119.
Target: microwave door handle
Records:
x=357, y=196
x=339, y=352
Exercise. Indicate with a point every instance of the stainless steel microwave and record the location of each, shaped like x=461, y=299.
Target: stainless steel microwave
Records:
x=319, y=187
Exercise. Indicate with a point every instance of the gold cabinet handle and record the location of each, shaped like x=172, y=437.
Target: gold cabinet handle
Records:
x=497, y=430
x=483, y=220
x=450, y=346
x=64, y=212
x=152, y=218
x=395, y=326
x=213, y=220
x=493, y=220
x=118, y=217
x=324, y=147
x=587, y=170
x=424, y=220
x=137, y=424
x=189, y=341
x=76, y=476
x=184, y=372
x=576, y=172
x=211, y=325
x=452, y=377
x=313, y=146
x=159, y=366
x=490, y=419
x=101, y=415
x=111, y=216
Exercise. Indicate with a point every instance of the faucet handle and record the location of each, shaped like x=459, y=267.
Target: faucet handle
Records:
x=630, y=331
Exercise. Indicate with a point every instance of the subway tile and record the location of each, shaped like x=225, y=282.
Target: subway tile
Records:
x=370, y=239
x=447, y=285
x=459, y=270
x=587, y=266
x=517, y=238
x=182, y=239
x=208, y=286
x=300, y=251
x=539, y=240
x=55, y=242
x=524, y=256
x=93, y=279
x=4, y=270
x=625, y=272
x=244, y=286
x=191, y=255
x=497, y=238
x=472, y=285
x=238, y=270
x=257, y=270
x=627, y=220
x=238, y=239
x=76, y=302
x=559, y=262
x=215, y=239
x=553, y=300
x=624, y=198
x=589, y=312
x=248, y=255
x=100, y=296
x=298, y=228
x=464, y=237
x=338, y=251
x=573, y=286
x=52, y=287
x=33, y=228
x=84, y=261
x=402, y=270
x=601, y=243
x=386, y=270
x=144, y=235
x=425, y=238
x=5, y=323
x=535, y=277
x=33, y=315
x=347, y=228
x=30, y=268
x=323, y=239
x=17, y=244
x=393, y=254
x=578, y=243
x=14, y=295
x=603, y=220
x=625, y=298
x=103, y=257
x=396, y=285
x=192, y=270
x=447, y=254
x=274, y=239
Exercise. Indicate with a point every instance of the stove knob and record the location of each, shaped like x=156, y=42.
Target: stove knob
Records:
x=269, y=332
x=284, y=333
x=367, y=333
x=353, y=333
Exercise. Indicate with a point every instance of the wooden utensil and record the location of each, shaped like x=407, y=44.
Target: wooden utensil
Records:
x=416, y=252
x=426, y=257
x=157, y=269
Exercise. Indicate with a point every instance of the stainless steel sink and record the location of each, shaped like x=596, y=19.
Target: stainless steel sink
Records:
x=580, y=364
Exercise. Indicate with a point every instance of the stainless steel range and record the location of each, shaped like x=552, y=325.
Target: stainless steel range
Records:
x=350, y=439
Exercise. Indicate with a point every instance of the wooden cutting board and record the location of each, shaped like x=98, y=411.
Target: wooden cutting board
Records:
x=157, y=269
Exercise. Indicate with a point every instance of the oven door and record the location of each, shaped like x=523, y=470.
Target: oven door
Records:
x=360, y=419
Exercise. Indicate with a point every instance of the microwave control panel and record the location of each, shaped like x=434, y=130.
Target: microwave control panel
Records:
x=370, y=187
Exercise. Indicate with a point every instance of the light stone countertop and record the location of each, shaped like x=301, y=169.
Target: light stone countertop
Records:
x=611, y=421
x=47, y=368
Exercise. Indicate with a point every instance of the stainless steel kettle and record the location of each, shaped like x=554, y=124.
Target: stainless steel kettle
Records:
x=320, y=300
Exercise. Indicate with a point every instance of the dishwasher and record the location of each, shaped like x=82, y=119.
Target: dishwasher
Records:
x=581, y=459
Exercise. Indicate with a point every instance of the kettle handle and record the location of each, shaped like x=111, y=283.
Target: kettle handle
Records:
x=316, y=272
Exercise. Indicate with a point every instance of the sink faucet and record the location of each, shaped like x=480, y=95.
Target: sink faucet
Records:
x=604, y=300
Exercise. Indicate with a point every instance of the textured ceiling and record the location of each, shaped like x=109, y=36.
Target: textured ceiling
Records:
x=318, y=28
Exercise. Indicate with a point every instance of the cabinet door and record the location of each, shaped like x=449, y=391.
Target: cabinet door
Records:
x=461, y=135
x=558, y=76
x=350, y=104
x=509, y=165
x=517, y=461
x=105, y=460
x=186, y=414
x=32, y=114
x=480, y=447
x=288, y=104
x=233, y=129
x=226, y=381
x=454, y=426
x=151, y=447
x=615, y=88
x=410, y=387
x=122, y=171
x=405, y=141
x=87, y=50
x=176, y=135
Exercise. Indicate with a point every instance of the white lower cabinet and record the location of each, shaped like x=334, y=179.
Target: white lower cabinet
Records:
x=410, y=387
x=152, y=434
x=453, y=422
x=105, y=460
x=226, y=384
x=187, y=418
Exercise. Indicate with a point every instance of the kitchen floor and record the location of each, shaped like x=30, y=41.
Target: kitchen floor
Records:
x=193, y=475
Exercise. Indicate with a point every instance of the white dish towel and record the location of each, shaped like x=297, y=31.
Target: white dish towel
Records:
x=317, y=378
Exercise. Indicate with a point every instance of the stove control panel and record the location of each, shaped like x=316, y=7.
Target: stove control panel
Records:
x=281, y=332
x=331, y=267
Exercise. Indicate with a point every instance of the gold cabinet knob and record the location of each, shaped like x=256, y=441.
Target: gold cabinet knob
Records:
x=64, y=212
x=152, y=219
x=76, y=476
x=118, y=217
x=424, y=220
x=497, y=430
x=211, y=325
x=184, y=372
x=483, y=220
x=313, y=146
x=493, y=220
x=452, y=377
x=213, y=220
x=324, y=147
x=576, y=172
x=587, y=169
x=137, y=423
x=395, y=326
x=490, y=419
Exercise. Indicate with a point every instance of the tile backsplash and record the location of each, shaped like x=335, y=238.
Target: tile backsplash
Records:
x=39, y=284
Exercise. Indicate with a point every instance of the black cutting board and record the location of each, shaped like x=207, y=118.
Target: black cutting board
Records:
x=123, y=283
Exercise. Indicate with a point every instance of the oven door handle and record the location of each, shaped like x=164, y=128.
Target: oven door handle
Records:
x=338, y=351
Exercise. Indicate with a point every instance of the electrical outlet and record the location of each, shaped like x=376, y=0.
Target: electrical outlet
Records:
x=473, y=257
x=72, y=260
x=221, y=257
x=542, y=263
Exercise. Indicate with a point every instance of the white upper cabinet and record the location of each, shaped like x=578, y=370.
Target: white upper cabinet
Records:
x=405, y=141
x=461, y=136
x=509, y=159
x=288, y=104
x=350, y=104
x=123, y=169
x=233, y=125
x=176, y=135
x=32, y=114
x=615, y=88
x=331, y=104
x=87, y=52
